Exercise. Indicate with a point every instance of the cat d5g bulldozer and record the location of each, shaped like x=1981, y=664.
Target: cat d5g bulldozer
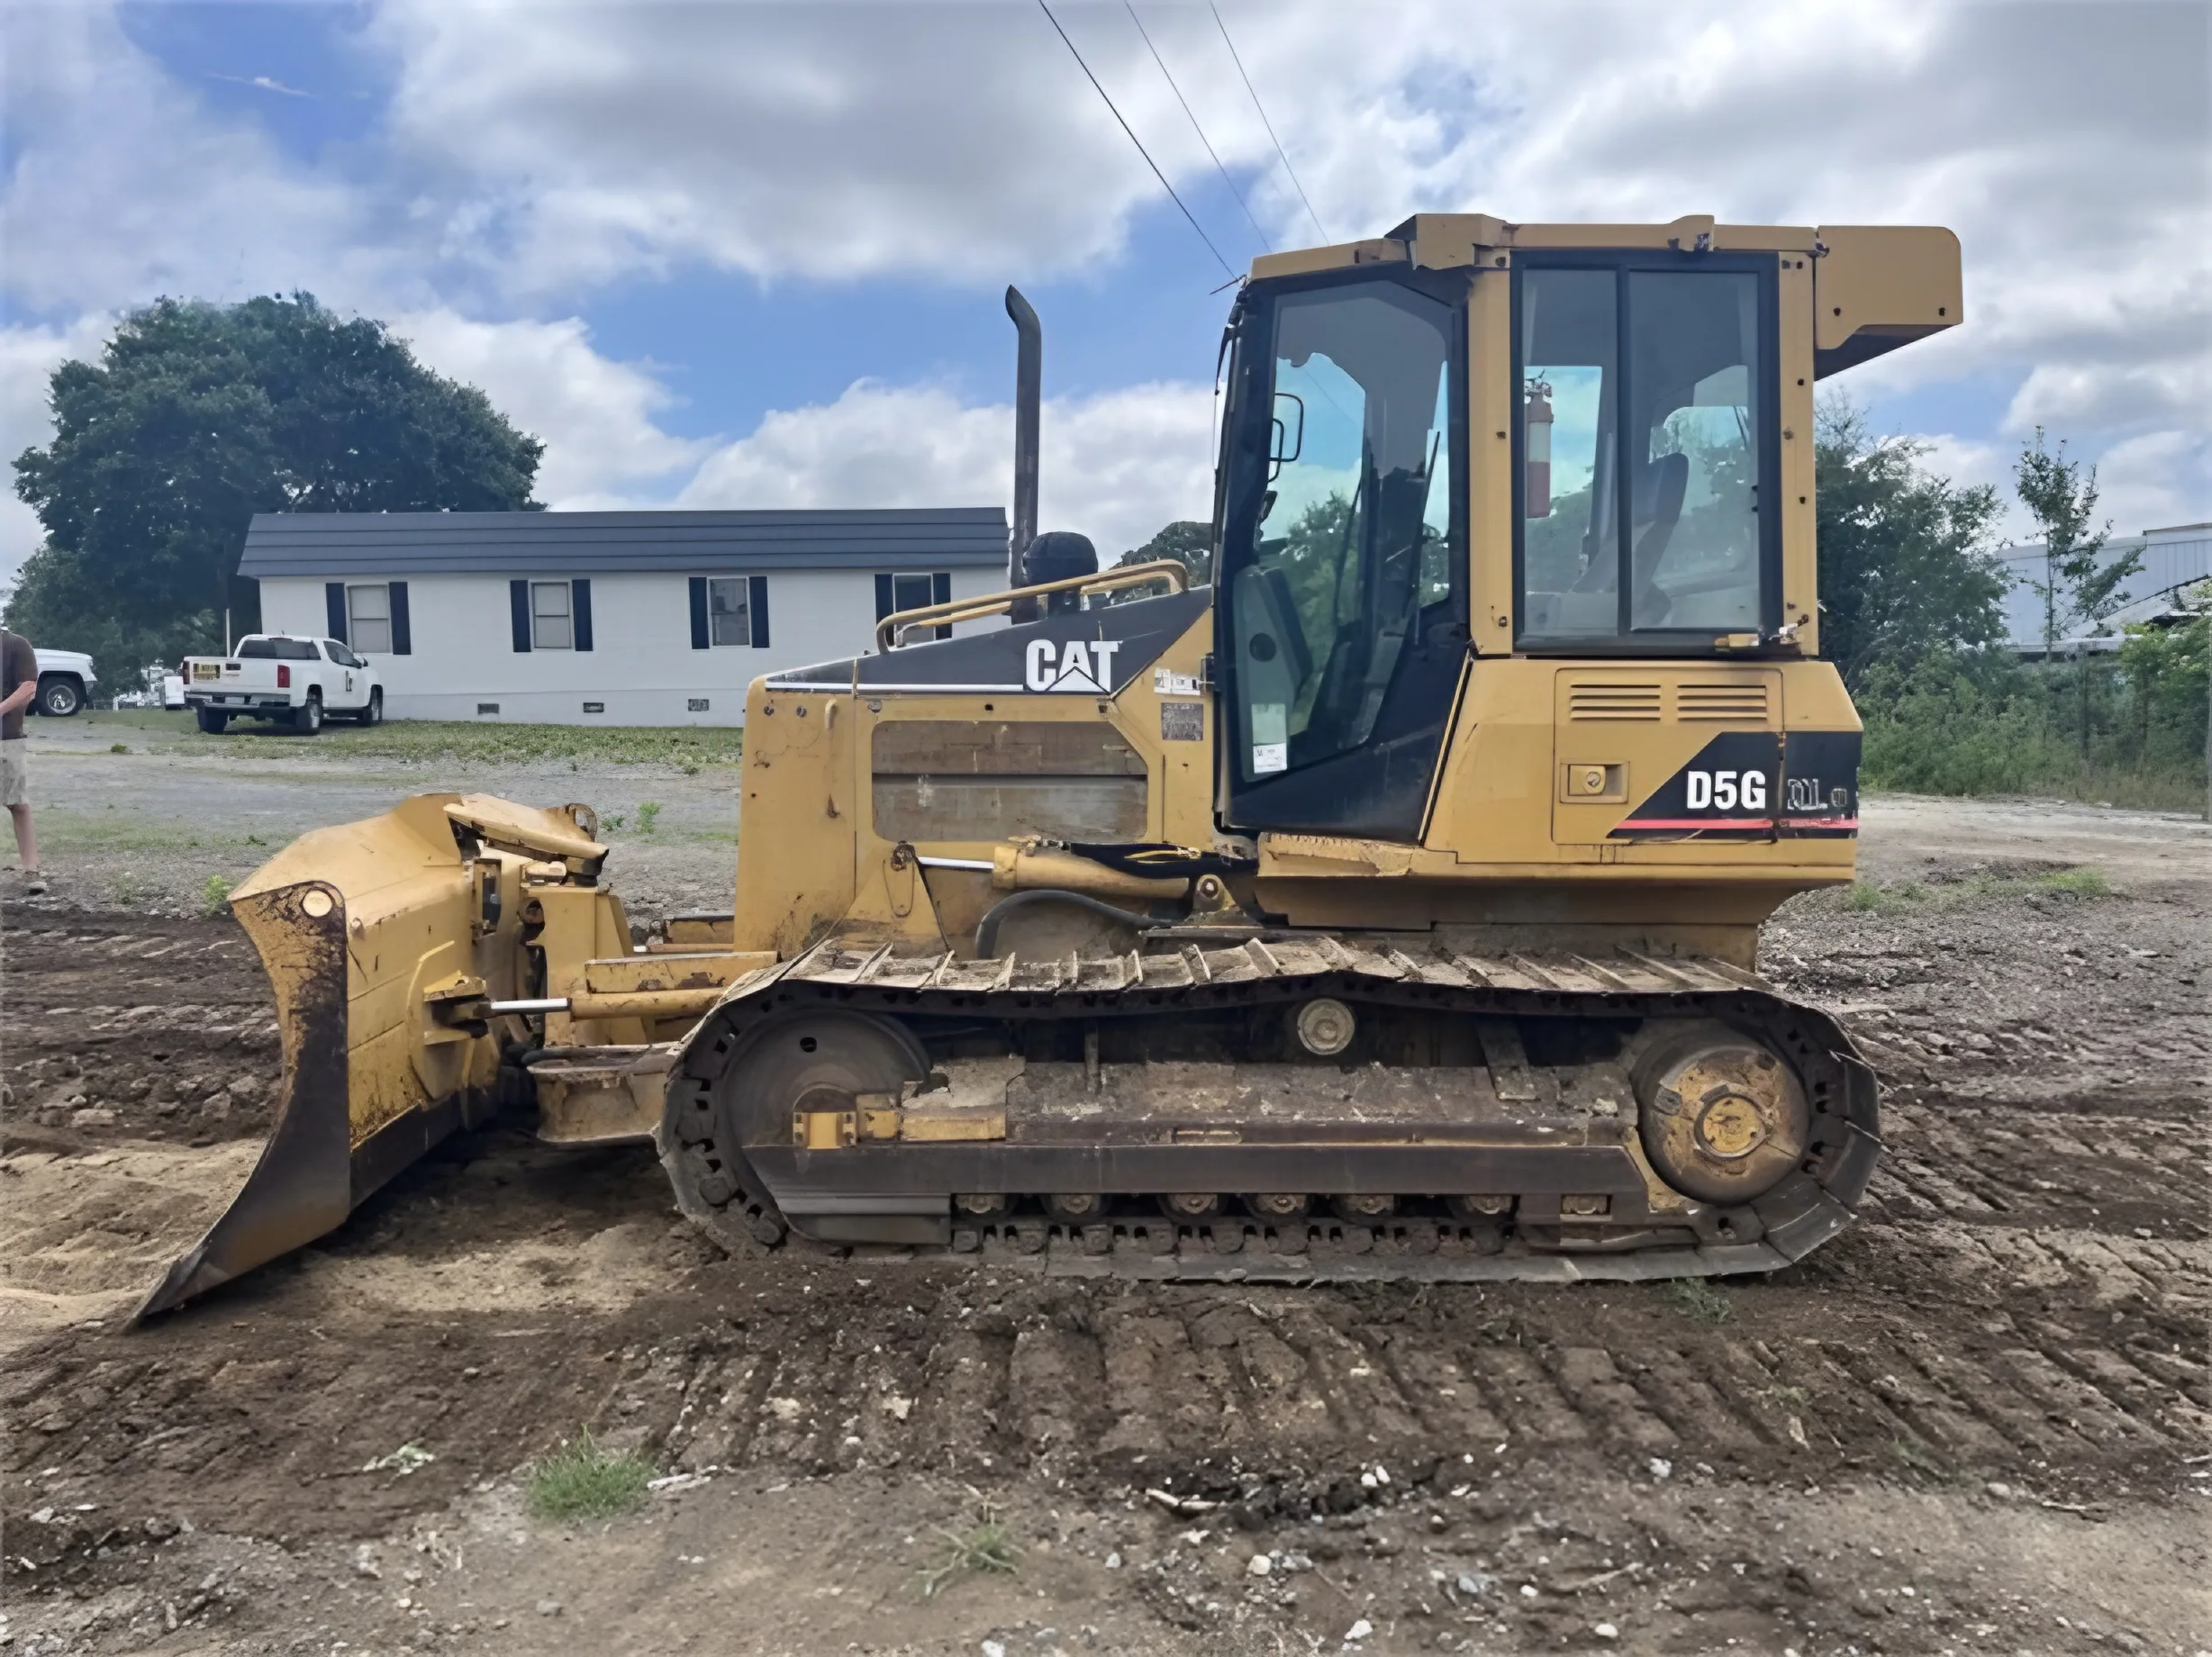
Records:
x=1386, y=908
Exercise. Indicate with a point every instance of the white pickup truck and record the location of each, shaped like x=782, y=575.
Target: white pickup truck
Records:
x=297, y=681
x=65, y=682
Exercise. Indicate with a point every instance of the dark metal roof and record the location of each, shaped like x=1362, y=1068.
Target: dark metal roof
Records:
x=608, y=543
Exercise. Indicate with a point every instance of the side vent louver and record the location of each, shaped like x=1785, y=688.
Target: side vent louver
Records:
x=1613, y=701
x=1736, y=703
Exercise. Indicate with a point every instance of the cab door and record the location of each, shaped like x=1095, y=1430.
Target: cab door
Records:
x=1341, y=601
x=345, y=681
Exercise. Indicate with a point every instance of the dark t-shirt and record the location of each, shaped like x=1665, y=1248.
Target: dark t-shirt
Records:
x=18, y=663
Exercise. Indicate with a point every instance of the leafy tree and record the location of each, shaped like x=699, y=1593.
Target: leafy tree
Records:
x=1903, y=572
x=2078, y=584
x=197, y=417
x=1186, y=541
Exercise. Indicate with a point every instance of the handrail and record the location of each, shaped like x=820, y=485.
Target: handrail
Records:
x=889, y=630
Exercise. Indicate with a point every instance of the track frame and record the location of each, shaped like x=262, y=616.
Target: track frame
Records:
x=735, y=1196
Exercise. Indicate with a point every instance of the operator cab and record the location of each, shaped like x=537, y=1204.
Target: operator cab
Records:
x=1373, y=542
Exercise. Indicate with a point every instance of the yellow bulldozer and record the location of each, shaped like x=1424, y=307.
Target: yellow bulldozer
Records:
x=1386, y=907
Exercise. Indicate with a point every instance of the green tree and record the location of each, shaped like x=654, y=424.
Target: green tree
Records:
x=2079, y=585
x=1187, y=541
x=197, y=417
x=1903, y=573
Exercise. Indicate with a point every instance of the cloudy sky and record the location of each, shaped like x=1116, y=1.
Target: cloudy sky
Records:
x=751, y=255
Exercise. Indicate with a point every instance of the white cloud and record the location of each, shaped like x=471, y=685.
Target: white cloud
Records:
x=1116, y=467
x=583, y=142
x=28, y=358
x=531, y=153
x=2067, y=144
x=2158, y=478
x=597, y=417
x=126, y=186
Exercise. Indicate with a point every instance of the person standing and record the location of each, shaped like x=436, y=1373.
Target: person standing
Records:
x=18, y=682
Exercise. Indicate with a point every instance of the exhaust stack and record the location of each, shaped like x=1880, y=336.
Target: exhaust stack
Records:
x=1029, y=394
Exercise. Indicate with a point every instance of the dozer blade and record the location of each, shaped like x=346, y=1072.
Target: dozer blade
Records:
x=359, y=928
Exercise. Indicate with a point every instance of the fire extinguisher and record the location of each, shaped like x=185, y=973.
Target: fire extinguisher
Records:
x=1539, y=449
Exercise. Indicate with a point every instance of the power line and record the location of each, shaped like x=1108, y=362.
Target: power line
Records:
x=1264, y=121
x=1141, y=150
x=1203, y=138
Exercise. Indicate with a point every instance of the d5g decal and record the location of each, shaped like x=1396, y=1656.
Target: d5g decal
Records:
x=1753, y=785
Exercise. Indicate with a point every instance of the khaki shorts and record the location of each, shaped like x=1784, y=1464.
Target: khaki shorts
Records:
x=15, y=771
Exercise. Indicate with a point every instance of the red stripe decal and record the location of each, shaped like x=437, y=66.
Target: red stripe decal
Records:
x=1697, y=822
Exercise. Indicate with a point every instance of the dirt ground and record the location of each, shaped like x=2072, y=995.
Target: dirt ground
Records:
x=1978, y=1422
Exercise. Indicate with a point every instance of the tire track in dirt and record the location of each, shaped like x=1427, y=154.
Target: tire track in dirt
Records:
x=1994, y=1309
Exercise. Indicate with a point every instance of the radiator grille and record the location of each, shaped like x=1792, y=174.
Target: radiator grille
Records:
x=1738, y=703
x=1613, y=701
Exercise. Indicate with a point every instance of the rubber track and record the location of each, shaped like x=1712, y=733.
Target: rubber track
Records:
x=719, y=1190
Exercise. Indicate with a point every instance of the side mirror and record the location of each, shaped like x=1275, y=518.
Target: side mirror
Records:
x=1287, y=439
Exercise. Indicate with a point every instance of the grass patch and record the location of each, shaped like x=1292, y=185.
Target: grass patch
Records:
x=1872, y=898
x=582, y=1479
x=424, y=741
x=987, y=1548
x=648, y=813
x=215, y=895
x=2081, y=883
x=1695, y=1297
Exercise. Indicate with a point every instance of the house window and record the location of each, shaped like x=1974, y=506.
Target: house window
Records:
x=897, y=592
x=549, y=616
x=729, y=610
x=368, y=618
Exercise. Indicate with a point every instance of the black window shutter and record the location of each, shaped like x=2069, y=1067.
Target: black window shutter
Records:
x=698, y=612
x=940, y=593
x=580, y=608
x=403, y=637
x=884, y=602
x=517, y=601
x=334, y=608
x=756, y=606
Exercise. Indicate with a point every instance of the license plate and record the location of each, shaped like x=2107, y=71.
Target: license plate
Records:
x=203, y=672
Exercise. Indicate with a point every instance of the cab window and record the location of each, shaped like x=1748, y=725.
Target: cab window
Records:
x=1646, y=450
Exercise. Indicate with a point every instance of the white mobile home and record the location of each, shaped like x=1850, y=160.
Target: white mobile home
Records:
x=642, y=618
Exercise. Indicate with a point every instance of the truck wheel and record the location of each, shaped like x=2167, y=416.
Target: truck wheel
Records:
x=60, y=697
x=307, y=718
x=374, y=713
x=213, y=720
